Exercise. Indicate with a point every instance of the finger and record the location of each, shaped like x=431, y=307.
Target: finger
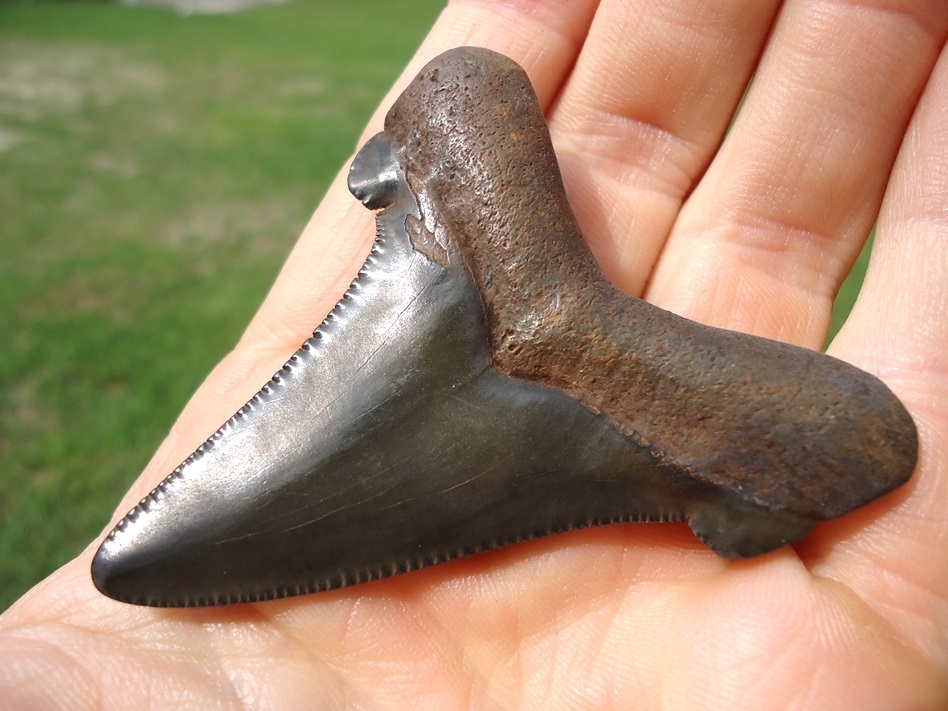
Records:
x=544, y=36
x=767, y=237
x=899, y=330
x=642, y=114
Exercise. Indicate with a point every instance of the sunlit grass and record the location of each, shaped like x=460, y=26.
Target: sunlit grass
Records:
x=155, y=170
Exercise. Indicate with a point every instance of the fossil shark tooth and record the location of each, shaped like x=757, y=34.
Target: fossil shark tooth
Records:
x=481, y=383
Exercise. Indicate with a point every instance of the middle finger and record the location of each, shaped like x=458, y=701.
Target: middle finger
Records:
x=643, y=112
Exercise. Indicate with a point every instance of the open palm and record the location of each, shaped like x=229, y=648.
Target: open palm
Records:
x=846, y=120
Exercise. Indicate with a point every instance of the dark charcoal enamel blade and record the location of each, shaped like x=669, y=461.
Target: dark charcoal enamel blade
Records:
x=481, y=383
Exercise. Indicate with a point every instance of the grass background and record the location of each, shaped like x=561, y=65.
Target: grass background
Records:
x=155, y=170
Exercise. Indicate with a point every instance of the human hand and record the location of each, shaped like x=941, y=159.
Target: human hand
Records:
x=755, y=236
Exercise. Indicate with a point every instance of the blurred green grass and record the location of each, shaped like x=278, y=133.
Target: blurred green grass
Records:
x=155, y=170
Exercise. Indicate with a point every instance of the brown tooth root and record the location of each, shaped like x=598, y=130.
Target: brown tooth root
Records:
x=783, y=427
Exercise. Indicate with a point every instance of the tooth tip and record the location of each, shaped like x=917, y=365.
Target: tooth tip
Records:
x=105, y=573
x=132, y=573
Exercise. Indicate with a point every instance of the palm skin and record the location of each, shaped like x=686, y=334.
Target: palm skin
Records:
x=844, y=122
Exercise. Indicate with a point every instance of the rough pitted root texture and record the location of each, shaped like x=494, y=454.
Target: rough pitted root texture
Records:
x=494, y=173
x=788, y=428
